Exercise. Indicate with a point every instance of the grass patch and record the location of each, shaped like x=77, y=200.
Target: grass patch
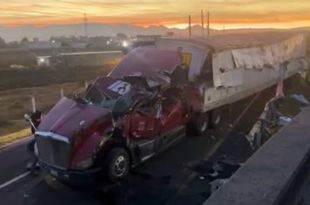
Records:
x=13, y=130
x=10, y=126
x=6, y=139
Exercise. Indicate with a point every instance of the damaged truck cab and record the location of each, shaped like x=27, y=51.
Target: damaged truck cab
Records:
x=121, y=120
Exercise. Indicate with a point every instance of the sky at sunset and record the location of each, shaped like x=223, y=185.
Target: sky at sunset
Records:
x=171, y=13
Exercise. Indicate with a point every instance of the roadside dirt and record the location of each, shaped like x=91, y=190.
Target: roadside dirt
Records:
x=14, y=103
x=17, y=87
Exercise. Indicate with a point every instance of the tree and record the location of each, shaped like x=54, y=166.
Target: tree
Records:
x=121, y=36
x=2, y=43
x=13, y=44
x=24, y=40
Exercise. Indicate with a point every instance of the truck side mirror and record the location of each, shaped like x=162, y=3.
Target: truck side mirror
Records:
x=34, y=119
x=27, y=117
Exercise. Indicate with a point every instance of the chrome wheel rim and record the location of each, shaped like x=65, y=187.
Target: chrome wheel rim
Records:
x=203, y=124
x=217, y=119
x=120, y=166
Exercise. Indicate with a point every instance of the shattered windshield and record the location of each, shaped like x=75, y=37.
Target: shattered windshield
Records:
x=94, y=97
x=117, y=104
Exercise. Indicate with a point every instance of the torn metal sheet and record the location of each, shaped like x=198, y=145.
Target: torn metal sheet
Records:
x=260, y=57
x=259, y=131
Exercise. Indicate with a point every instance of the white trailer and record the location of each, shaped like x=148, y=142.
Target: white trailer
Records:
x=229, y=68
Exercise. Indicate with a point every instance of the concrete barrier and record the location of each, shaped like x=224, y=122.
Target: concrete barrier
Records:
x=267, y=176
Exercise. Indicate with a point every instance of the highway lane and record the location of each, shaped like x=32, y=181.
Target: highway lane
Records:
x=13, y=160
x=169, y=178
x=158, y=178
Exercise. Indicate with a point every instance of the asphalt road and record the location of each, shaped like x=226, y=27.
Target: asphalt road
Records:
x=169, y=178
x=13, y=160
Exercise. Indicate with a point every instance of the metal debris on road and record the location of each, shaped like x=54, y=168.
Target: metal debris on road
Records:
x=219, y=169
x=284, y=120
x=269, y=118
x=216, y=184
x=216, y=172
x=300, y=98
x=201, y=177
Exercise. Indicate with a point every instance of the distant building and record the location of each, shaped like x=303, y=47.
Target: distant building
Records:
x=77, y=44
x=91, y=58
x=148, y=37
x=37, y=44
x=44, y=61
x=170, y=33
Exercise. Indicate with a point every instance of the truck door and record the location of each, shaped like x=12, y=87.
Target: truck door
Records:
x=142, y=123
x=171, y=112
x=152, y=119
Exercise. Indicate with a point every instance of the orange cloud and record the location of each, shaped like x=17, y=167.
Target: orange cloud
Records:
x=277, y=13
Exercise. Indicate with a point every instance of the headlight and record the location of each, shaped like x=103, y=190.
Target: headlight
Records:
x=84, y=164
x=125, y=44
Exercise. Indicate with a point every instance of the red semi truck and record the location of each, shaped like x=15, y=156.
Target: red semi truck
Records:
x=120, y=120
x=148, y=101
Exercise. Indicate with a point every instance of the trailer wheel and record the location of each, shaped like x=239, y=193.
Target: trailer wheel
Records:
x=198, y=124
x=117, y=164
x=216, y=118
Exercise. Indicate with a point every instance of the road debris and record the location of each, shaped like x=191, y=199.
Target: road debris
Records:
x=274, y=116
x=216, y=184
x=284, y=120
x=202, y=177
x=217, y=172
x=221, y=168
x=300, y=98
x=268, y=118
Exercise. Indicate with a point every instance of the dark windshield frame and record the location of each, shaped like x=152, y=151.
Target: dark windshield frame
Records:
x=100, y=95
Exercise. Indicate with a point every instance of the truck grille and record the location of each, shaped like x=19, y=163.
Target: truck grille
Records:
x=53, y=152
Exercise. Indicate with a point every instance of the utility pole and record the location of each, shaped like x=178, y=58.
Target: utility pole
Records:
x=85, y=26
x=202, y=24
x=189, y=25
x=208, y=19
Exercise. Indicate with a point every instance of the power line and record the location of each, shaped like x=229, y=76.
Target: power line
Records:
x=189, y=25
x=208, y=19
x=85, y=26
x=202, y=24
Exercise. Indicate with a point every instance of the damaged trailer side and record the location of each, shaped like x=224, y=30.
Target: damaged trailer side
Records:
x=238, y=72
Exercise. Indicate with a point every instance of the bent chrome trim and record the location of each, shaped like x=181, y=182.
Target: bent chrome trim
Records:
x=53, y=136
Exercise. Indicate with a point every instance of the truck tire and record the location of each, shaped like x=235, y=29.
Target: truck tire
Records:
x=215, y=118
x=117, y=164
x=198, y=124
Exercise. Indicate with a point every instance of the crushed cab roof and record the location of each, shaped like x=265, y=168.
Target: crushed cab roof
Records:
x=146, y=61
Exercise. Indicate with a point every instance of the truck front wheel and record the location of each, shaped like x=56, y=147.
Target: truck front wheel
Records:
x=198, y=124
x=117, y=164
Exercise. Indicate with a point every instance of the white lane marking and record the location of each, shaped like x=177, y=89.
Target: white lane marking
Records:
x=14, y=180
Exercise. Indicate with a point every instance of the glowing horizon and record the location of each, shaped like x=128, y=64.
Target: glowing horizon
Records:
x=228, y=14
